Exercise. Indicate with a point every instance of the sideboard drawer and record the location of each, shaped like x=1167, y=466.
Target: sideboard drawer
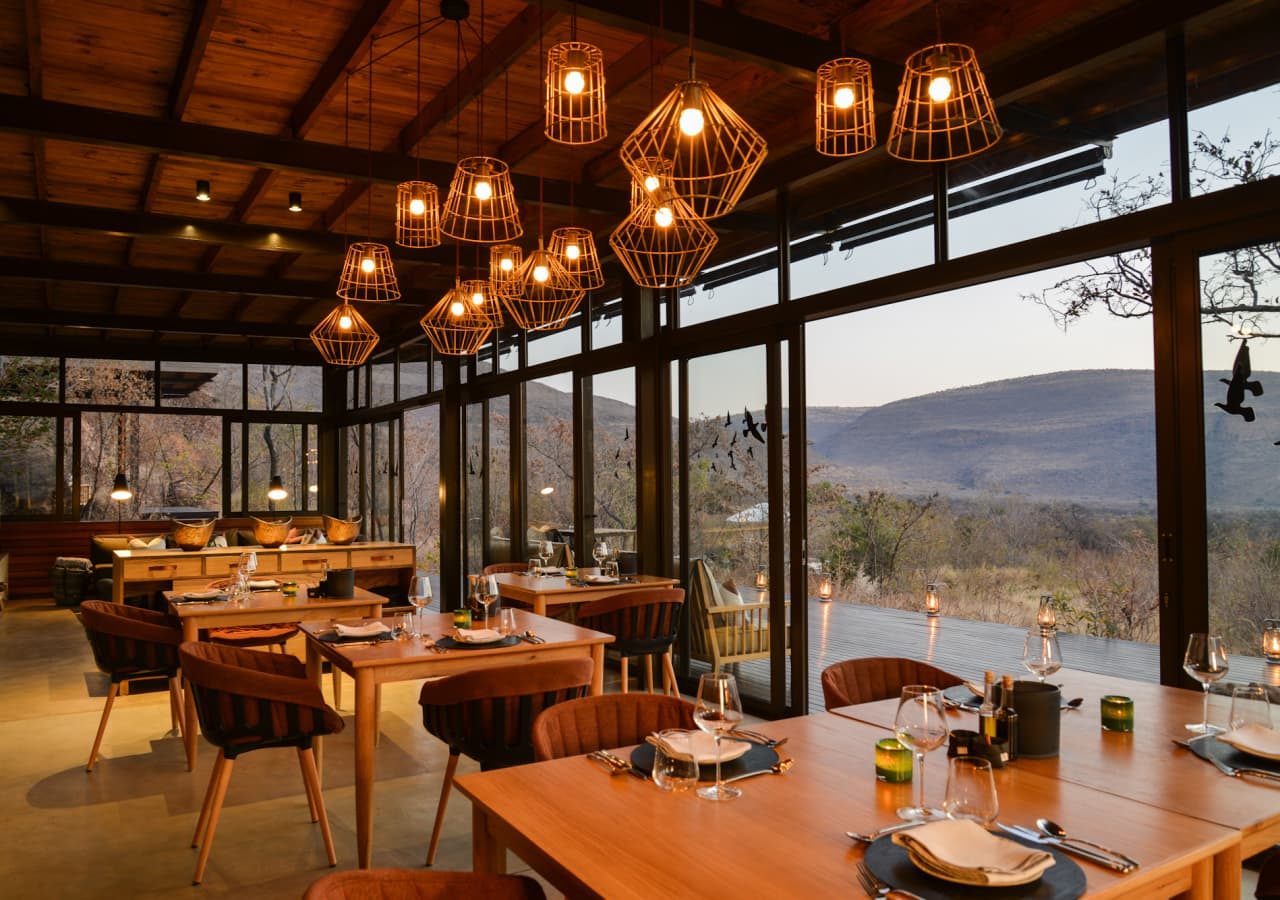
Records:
x=229, y=565
x=157, y=568
x=390, y=557
x=313, y=560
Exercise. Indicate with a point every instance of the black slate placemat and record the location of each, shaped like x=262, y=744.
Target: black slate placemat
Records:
x=1064, y=880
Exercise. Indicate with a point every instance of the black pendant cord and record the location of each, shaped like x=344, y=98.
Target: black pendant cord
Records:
x=417, y=94
x=346, y=143
x=368, y=225
x=937, y=19
x=692, y=5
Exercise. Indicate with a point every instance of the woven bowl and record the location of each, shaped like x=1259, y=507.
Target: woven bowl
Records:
x=341, y=531
x=192, y=535
x=271, y=534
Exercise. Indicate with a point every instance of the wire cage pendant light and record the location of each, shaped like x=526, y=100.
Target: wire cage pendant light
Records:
x=944, y=111
x=455, y=326
x=659, y=255
x=545, y=295
x=714, y=153
x=368, y=274
x=504, y=266
x=417, y=214
x=845, y=108
x=484, y=299
x=574, y=104
x=576, y=249
x=481, y=206
x=343, y=337
x=657, y=174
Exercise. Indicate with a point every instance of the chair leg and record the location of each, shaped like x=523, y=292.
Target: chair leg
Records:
x=215, y=810
x=201, y=822
x=102, y=724
x=648, y=673
x=337, y=687
x=175, y=706
x=669, y=683
x=626, y=678
x=441, y=807
x=311, y=800
x=312, y=780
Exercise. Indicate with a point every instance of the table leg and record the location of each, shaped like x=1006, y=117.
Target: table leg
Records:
x=1202, y=876
x=190, y=632
x=487, y=853
x=1226, y=872
x=315, y=675
x=597, y=672
x=366, y=725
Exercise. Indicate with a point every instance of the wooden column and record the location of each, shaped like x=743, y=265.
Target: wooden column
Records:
x=451, y=509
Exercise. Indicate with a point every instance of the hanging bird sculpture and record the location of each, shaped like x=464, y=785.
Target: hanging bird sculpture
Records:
x=749, y=426
x=732, y=465
x=1238, y=384
x=751, y=451
x=734, y=442
x=626, y=434
x=728, y=420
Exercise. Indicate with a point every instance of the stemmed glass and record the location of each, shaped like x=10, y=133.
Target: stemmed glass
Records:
x=1040, y=652
x=488, y=594
x=601, y=553
x=545, y=551
x=718, y=711
x=420, y=597
x=922, y=725
x=1206, y=662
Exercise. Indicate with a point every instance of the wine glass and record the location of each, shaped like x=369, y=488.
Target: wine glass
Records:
x=488, y=595
x=420, y=597
x=601, y=553
x=718, y=711
x=1040, y=652
x=546, y=550
x=922, y=725
x=1250, y=705
x=1206, y=662
x=971, y=791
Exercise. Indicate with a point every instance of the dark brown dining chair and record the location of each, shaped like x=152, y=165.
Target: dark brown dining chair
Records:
x=1269, y=877
x=414, y=884
x=505, y=568
x=130, y=642
x=605, y=722
x=250, y=700
x=643, y=623
x=487, y=714
x=878, y=678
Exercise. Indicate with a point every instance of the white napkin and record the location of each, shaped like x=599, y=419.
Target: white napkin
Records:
x=600, y=579
x=370, y=629
x=548, y=570
x=1256, y=739
x=267, y=585
x=211, y=594
x=478, y=635
x=963, y=851
x=702, y=746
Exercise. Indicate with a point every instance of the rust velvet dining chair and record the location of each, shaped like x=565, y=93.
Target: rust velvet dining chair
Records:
x=643, y=623
x=606, y=722
x=488, y=714
x=878, y=678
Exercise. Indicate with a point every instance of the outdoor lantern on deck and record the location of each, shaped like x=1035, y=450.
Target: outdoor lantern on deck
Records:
x=762, y=579
x=1046, y=618
x=1271, y=641
x=932, y=600
x=825, y=588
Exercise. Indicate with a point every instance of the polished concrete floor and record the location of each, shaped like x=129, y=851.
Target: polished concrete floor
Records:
x=124, y=830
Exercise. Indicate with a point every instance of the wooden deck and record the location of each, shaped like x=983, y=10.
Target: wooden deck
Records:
x=839, y=631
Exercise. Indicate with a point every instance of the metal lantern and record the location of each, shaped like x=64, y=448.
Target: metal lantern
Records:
x=343, y=337
x=662, y=255
x=576, y=248
x=368, y=274
x=761, y=582
x=1046, y=616
x=1271, y=641
x=714, y=153
x=846, y=116
x=944, y=111
x=932, y=600
x=574, y=105
x=417, y=214
x=456, y=326
x=545, y=295
x=825, y=588
x=481, y=206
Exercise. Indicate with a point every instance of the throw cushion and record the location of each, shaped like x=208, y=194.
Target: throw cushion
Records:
x=727, y=595
x=144, y=544
x=219, y=540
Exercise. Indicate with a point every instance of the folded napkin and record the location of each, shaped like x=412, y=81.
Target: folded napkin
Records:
x=267, y=585
x=600, y=579
x=1255, y=739
x=370, y=629
x=548, y=570
x=963, y=851
x=478, y=635
x=212, y=594
x=702, y=746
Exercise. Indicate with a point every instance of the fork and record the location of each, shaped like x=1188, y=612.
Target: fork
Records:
x=756, y=737
x=878, y=887
x=430, y=643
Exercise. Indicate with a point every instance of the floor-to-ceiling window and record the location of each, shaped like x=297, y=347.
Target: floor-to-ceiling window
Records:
x=549, y=466
x=613, y=439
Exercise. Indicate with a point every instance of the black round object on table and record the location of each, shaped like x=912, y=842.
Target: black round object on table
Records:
x=1064, y=880
x=758, y=759
x=449, y=643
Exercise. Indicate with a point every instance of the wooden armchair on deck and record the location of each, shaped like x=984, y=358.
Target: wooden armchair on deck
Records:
x=722, y=631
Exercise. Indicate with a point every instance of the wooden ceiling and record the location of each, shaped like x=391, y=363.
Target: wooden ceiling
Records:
x=110, y=111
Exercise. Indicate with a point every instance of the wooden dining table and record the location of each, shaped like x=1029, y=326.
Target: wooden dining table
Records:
x=785, y=836
x=542, y=591
x=258, y=608
x=371, y=665
x=1145, y=765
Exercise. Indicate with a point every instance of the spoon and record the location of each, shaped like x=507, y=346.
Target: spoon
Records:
x=1054, y=830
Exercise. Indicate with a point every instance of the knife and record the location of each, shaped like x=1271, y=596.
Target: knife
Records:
x=1068, y=847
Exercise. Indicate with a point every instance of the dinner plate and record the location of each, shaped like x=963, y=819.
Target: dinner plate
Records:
x=1064, y=880
x=758, y=758
x=704, y=748
x=1254, y=740
x=448, y=643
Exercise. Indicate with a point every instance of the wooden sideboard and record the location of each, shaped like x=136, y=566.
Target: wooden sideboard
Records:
x=132, y=570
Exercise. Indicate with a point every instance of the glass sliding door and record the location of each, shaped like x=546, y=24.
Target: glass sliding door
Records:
x=613, y=458
x=549, y=479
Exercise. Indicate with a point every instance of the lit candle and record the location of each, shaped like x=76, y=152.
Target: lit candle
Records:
x=1117, y=713
x=932, y=600
x=893, y=761
x=762, y=579
x=1271, y=641
x=825, y=588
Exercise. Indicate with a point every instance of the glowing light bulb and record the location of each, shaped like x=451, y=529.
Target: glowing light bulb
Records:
x=541, y=273
x=457, y=308
x=506, y=264
x=939, y=88
x=574, y=81
x=483, y=190
x=651, y=183
x=691, y=121
x=843, y=98
x=366, y=265
x=663, y=217
x=417, y=207
x=477, y=298
x=571, y=252
x=344, y=322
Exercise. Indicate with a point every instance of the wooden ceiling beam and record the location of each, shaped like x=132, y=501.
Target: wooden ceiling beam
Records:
x=193, y=47
x=83, y=124
x=249, y=350
x=54, y=318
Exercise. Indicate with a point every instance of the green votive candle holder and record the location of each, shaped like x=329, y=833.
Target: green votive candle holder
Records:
x=893, y=761
x=1117, y=713
x=462, y=618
